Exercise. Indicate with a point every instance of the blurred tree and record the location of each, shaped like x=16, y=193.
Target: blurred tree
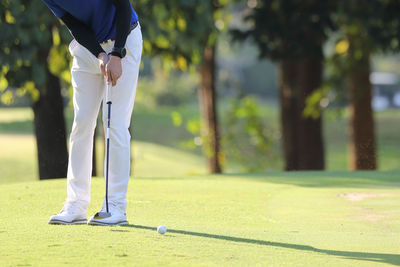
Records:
x=184, y=33
x=364, y=29
x=31, y=53
x=160, y=88
x=247, y=140
x=292, y=32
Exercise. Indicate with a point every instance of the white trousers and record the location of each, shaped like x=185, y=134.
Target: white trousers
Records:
x=88, y=93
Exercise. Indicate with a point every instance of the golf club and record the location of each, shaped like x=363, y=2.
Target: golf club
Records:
x=101, y=215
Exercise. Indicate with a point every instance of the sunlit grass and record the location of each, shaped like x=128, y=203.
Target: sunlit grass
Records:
x=18, y=159
x=156, y=147
x=278, y=219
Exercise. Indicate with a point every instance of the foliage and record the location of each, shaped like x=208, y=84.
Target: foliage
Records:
x=185, y=33
x=199, y=137
x=161, y=88
x=362, y=29
x=193, y=126
x=28, y=35
x=295, y=29
x=178, y=30
x=288, y=28
x=376, y=23
x=239, y=68
x=247, y=141
x=317, y=101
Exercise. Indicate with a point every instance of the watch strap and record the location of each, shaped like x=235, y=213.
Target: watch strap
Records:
x=118, y=51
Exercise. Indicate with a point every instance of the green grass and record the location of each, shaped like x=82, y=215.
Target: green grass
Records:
x=18, y=158
x=277, y=219
x=16, y=121
x=18, y=161
x=162, y=157
x=156, y=149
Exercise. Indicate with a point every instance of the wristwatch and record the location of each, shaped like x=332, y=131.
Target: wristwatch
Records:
x=118, y=51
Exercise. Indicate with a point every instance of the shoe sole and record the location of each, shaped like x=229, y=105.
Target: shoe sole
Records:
x=107, y=224
x=68, y=223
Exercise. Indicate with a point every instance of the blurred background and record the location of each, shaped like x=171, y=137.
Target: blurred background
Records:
x=225, y=86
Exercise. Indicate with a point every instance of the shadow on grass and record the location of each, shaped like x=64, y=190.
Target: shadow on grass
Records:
x=393, y=259
x=317, y=179
x=17, y=127
x=326, y=178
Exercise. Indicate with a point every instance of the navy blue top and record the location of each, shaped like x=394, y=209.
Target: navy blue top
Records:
x=99, y=15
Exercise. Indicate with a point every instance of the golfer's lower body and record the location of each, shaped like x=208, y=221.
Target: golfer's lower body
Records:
x=88, y=93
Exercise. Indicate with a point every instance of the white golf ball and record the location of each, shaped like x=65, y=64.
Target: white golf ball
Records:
x=161, y=229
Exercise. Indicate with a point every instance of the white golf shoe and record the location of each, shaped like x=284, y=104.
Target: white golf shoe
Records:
x=116, y=216
x=71, y=213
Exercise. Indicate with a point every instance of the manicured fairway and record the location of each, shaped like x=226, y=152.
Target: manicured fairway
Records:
x=278, y=219
x=154, y=129
x=18, y=162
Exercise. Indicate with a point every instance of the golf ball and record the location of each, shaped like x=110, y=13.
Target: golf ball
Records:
x=161, y=229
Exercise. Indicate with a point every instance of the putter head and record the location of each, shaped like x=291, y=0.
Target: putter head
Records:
x=102, y=215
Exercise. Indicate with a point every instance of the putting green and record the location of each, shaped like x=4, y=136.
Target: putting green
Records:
x=277, y=219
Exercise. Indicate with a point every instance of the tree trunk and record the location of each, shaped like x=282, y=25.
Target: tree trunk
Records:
x=208, y=103
x=49, y=126
x=288, y=113
x=362, y=135
x=310, y=141
x=301, y=137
